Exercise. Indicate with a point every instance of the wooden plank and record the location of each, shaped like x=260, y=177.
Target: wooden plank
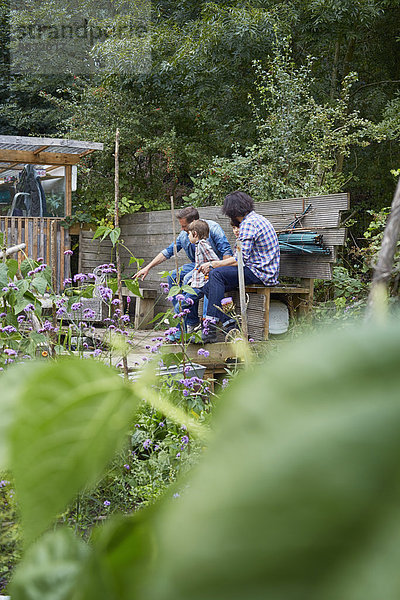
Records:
x=68, y=190
x=12, y=241
x=62, y=257
x=28, y=237
x=53, y=252
x=6, y=232
x=10, y=140
x=41, y=239
x=19, y=241
x=43, y=158
x=35, y=238
x=9, y=167
x=40, y=149
x=48, y=235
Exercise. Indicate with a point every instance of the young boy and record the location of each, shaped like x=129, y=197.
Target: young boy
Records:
x=198, y=232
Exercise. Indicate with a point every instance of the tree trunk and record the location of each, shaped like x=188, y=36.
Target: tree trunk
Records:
x=335, y=70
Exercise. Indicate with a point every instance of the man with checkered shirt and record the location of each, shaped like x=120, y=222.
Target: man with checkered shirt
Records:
x=260, y=251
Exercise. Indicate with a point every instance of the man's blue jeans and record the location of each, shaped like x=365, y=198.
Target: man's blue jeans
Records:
x=192, y=318
x=221, y=280
x=185, y=274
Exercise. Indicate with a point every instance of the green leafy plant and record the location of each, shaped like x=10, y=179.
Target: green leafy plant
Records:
x=312, y=453
x=301, y=143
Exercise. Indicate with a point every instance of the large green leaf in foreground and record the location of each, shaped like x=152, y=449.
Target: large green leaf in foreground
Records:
x=52, y=569
x=70, y=418
x=298, y=498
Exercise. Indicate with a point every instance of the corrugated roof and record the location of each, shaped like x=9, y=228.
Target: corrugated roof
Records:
x=16, y=151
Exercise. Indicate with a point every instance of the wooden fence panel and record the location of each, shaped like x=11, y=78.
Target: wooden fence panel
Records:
x=37, y=234
x=146, y=234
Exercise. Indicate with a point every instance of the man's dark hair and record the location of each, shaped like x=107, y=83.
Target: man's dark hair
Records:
x=189, y=213
x=237, y=204
x=201, y=228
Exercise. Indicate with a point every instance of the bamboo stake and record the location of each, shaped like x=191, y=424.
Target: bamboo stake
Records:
x=182, y=342
x=116, y=224
x=242, y=291
x=174, y=234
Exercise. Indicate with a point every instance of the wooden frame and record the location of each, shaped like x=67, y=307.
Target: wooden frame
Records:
x=18, y=150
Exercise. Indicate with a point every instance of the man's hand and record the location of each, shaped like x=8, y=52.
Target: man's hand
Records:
x=142, y=274
x=205, y=268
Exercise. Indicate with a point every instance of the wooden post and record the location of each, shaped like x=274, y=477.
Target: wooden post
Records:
x=116, y=224
x=53, y=251
x=242, y=291
x=68, y=190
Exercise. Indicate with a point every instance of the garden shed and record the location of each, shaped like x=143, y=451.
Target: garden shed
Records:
x=37, y=177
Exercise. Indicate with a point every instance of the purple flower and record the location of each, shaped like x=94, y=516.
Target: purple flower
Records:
x=106, y=503
x=9, y=352
x=186, y=393
x=161, y=424
x=68, y=253
x=178, y=455
x=146, y=444
x=80, y=277
x=203, y=352
x=170, y=298
x=21, y=318
x=127, y=467
x=224, y=383
x=105, y=293
x=185, y=439
x=29, y=307
x=115, y=302
x=9, y=329
x=251, y=340
x=164, y=287
x=97, y=352
x=76, y=306
x=189, y=301
x=180, y=298
x=67, y=281
x=176, y=495
x=128, y=299
x=89, y=313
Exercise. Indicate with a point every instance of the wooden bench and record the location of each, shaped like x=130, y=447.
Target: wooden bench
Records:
x=144, y=307
x=299, y=300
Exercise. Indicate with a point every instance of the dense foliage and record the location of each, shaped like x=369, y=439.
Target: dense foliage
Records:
x=187, y=123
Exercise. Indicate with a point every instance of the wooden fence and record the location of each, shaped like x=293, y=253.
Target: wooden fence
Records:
x=146, y=234
x=44, y=238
